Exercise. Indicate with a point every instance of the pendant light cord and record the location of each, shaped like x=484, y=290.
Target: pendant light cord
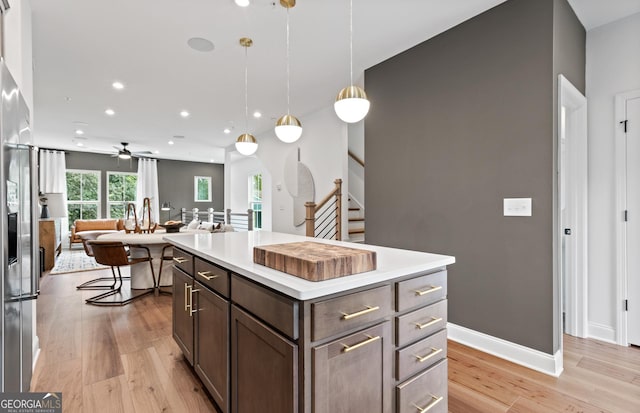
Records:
x=246, y=90
x=351, y=40
x=288, y=68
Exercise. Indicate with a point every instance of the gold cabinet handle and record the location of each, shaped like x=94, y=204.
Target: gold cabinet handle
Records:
x=180, y=260
x=434, y=352
x=370, y=340
x=429, y=324
x=206, y=276
x=367, y=310
x=191, y=301
x=434, y=400
x=431, y=289
x=187, y=295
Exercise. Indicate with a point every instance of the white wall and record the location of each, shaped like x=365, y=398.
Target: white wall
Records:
x=356, y=171
x=237, y=173
x=323, y=149
x=613, y=66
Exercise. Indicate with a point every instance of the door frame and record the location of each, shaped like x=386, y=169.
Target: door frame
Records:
x=621, y=205
x=577, y=294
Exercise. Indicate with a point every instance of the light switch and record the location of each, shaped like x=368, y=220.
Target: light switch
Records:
x=517, y=207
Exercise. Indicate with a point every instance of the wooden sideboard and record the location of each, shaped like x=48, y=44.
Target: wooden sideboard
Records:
x=50, y=240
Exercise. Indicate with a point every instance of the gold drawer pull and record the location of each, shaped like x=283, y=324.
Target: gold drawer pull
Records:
x=187, y=303
x=434, y=400
x=191, y=301
x=180, y=260
x=434, y=352
x=429, y=324
x=370, y=340
x=367, y=310
x=430, y=290
x=206, y=276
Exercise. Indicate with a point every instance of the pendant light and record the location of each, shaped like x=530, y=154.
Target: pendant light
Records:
x=246, y=144
x=288, y=128
x=351, y=104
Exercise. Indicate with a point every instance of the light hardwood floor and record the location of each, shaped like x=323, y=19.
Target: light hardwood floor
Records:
x=123, y=359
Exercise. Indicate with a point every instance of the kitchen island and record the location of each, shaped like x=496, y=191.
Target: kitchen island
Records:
x=265, y=341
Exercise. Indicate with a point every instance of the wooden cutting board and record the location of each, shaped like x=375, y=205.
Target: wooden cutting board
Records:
x=314, y=261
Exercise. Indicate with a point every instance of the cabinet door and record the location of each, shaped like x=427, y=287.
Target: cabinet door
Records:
x=353, y=373
x=211, y=359
x=182, y=316
x=264, y=367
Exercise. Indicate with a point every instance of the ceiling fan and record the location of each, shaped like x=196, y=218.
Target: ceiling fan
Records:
x=124, y=153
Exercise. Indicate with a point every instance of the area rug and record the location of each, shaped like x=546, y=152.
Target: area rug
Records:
x=75, y=261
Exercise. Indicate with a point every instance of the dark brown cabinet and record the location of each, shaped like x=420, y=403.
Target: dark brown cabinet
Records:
x=211, y=358
x=182, y=316
x=264, y=367
x=353, y=373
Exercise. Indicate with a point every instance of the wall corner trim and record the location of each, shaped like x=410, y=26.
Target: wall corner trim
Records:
x=516, y=353
x=36, y=352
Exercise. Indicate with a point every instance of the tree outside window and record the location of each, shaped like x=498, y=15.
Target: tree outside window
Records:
x=255, y=199
x=83, y=194
x=121, y=189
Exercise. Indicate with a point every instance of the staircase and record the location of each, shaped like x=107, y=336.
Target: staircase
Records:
x=356, y=221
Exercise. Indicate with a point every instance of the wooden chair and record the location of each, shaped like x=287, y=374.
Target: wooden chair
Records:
x=115, y=255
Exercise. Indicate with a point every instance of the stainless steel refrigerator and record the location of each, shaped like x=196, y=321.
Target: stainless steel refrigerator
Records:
x=20, y=246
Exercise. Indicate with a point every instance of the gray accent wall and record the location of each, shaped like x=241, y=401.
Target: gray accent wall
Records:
x=457, y=124
x=175, y=179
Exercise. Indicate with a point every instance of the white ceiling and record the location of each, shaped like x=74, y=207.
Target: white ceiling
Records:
x=81, y=47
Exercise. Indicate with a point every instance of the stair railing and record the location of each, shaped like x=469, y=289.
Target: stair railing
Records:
x=324, y=220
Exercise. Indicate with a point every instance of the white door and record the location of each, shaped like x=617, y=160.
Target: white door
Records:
x=572, y=208
x=633, y=223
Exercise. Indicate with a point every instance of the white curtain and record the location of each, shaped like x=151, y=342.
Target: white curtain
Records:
x=53, y=176
x=148, y=186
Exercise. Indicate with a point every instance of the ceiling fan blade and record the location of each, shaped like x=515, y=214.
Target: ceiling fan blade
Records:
x=142, y=153
x=116, y=148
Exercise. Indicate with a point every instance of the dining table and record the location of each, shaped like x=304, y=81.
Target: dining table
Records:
x=141, y=277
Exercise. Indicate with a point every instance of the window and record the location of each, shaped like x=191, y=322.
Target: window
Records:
x=83, y=194
x=202, y=188
x=121, y=189
x=255, y=199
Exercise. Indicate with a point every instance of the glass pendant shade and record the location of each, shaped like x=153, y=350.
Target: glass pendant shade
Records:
x=288, y=129
x=246, y=144
x=352, y=104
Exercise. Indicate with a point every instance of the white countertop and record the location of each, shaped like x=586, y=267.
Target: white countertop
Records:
x=234, y=251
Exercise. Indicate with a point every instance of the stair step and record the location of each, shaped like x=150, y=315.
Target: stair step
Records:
x=356, y=231
x=354, y=209
x=356, y=219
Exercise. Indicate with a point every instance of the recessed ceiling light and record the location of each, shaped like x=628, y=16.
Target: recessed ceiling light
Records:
x=184, y=114
x=257, y=114
x=227, y=131
x=200, y=44
x=79, y=144
x=170, y=142
x=79, y=132
x=110, y=112
x=211, y=160
x=118, y=85
x=156, y=151
x=242, y=3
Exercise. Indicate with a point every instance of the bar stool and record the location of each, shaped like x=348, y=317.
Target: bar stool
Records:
x=165, y=257
x=97, y=283
x=114, y=254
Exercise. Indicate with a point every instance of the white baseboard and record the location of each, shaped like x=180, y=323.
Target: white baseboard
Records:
x=516, y=353
x=602, y=332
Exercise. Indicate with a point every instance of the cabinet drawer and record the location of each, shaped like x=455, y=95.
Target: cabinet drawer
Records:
x=425, y=392
x=183, y=260
x=421, y=355
x=422, y=290
x=277, y=310
x=340, y=314
x=214, y=277
x=421, y=323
